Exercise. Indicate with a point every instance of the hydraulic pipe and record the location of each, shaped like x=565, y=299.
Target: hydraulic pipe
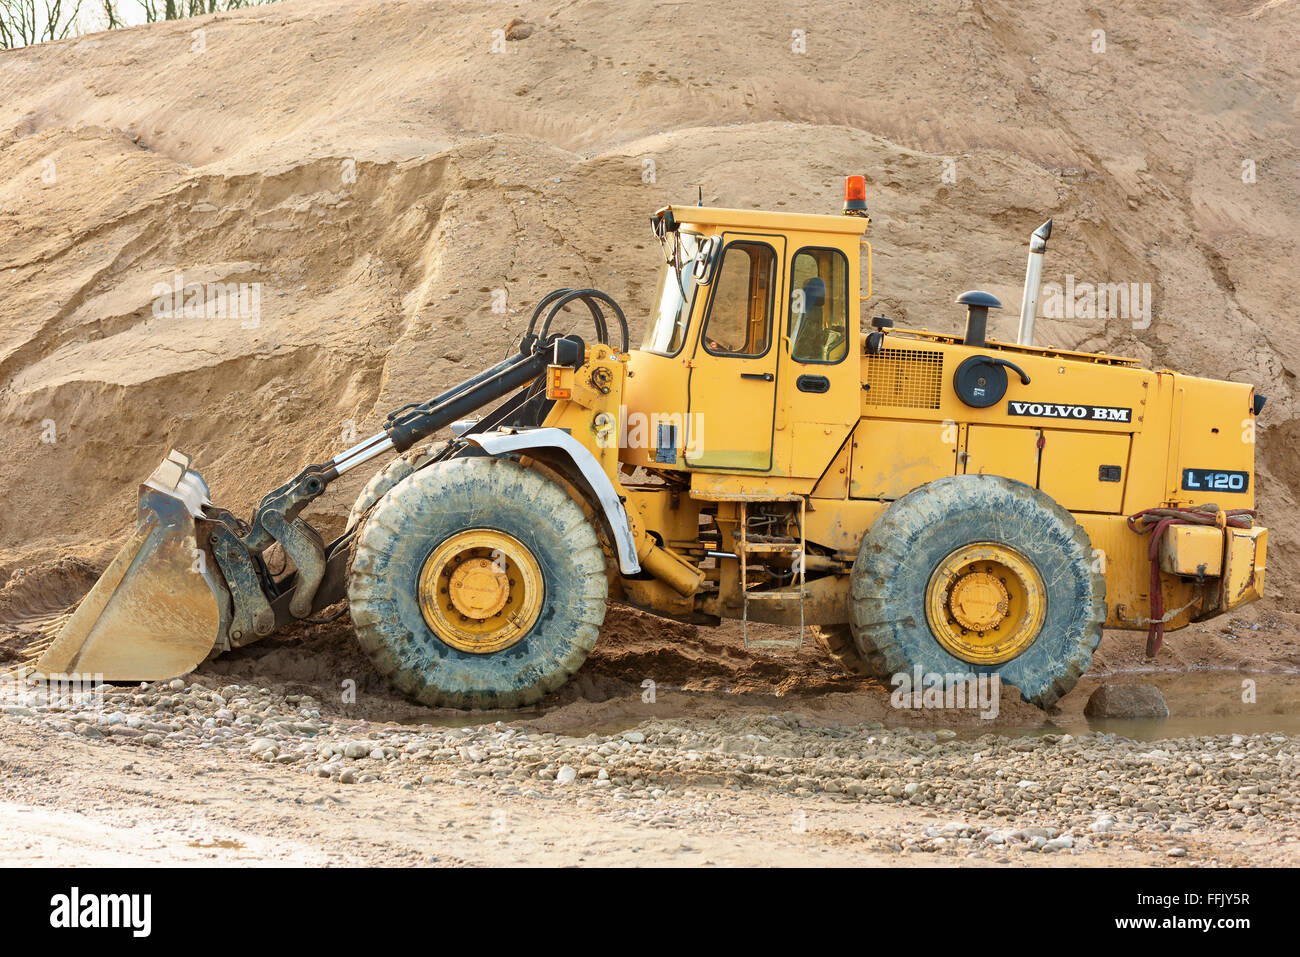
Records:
x=418, y=408
x=415, y=426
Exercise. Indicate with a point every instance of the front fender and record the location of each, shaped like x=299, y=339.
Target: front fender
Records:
x=521, y=440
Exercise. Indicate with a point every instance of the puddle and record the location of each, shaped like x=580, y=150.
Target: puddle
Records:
x=1200, y=703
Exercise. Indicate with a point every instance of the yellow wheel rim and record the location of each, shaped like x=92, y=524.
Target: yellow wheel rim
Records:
x=481, y=590
x=986, y=603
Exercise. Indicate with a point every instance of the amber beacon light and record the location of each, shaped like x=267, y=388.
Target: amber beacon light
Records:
x=855, y=196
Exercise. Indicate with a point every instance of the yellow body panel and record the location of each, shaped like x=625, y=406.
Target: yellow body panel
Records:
x=715, y=425
x=891, y=457
x=1192, y=550
x=1243, y=573
x=1073, y=466
x=1002, y=450
x=1215, y=429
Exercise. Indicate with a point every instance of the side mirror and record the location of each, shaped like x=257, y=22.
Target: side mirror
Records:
x=702, y=268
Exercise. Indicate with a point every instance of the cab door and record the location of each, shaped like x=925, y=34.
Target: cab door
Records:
x=820, y=362
x=732, y=386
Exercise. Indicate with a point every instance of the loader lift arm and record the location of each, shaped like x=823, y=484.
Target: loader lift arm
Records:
x=260, y=604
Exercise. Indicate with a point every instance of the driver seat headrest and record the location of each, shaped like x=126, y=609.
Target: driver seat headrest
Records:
x=814, y=293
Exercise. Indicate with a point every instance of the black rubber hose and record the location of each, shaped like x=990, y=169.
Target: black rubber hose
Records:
x=545, y=301
x=590, y=296
x=573, y=295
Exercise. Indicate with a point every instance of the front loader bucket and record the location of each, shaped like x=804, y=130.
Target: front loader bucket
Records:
x=156, y=611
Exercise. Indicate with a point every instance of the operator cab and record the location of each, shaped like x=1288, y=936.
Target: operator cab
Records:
x=756, y=317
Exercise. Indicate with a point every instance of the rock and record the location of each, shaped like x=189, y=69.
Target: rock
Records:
x=1176, y=852
x=348, y=777
x=1062, y=843
x=518, y=29
x=355, y=750
x=1126, y=701
x=262, y=744
x=153, y=739
x=566, y=775
x=634, y=737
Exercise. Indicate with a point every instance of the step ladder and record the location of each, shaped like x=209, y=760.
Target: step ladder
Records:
x=745, y=548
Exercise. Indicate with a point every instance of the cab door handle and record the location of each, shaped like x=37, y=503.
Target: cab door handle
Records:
x=760, y=376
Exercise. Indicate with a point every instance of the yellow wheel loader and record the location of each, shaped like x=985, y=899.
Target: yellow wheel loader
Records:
x=922, y=502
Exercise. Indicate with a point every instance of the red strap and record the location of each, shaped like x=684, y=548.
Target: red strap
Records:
x=1155, y=521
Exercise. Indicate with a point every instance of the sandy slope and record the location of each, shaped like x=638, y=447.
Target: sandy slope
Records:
x=379, y=171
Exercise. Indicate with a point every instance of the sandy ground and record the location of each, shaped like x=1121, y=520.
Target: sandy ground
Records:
x=162, y=809
x=158, y=775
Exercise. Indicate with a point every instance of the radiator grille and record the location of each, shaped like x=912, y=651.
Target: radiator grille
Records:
x=904, y=378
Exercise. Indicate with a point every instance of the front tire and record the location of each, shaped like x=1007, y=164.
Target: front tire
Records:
x=980, y=574
x=477, y=583
x=386, y=479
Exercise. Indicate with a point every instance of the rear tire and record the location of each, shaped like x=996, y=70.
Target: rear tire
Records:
x=401, y=585
x=898, y=579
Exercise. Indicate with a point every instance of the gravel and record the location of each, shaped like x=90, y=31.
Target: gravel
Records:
x=1088, y=791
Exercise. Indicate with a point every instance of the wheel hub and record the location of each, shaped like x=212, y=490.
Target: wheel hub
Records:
x=986, y=603
x=480, y=590
x=979, y=601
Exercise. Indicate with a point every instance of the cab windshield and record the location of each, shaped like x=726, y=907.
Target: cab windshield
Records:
x=667, y=333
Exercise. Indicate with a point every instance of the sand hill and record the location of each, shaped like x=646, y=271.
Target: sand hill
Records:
x=375, y=172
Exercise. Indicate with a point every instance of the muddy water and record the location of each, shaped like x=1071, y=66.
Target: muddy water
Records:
x=1200, y=703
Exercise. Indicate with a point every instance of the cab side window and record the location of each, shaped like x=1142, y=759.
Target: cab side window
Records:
x=819, y=305
x=739, y=322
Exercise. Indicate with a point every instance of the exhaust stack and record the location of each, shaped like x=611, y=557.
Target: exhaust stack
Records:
x=1033, y=279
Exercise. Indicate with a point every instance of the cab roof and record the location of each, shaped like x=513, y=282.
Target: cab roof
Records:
x=765, y=220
